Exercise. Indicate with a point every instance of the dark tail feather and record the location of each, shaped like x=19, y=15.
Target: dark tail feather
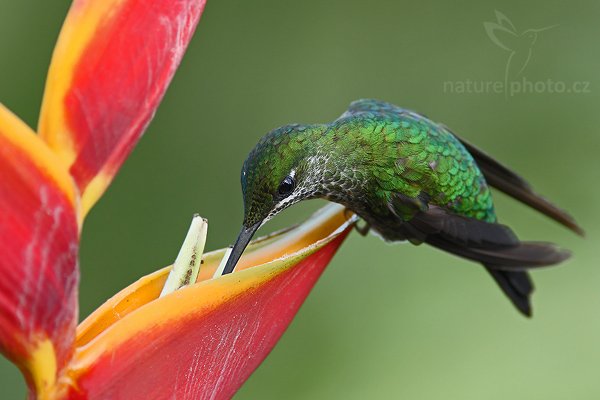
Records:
x=517, y=286
x=508, y=265
x=502, y=178
x=522, y=256
x=525, y=255
x=493, y=245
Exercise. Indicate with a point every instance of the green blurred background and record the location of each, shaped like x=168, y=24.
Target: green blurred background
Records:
x=384, y=321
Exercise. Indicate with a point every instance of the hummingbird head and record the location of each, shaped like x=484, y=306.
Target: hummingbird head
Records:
x=531, y=35
x=276, y=174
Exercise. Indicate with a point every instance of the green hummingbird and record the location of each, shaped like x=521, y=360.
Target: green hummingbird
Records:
x=409, y=178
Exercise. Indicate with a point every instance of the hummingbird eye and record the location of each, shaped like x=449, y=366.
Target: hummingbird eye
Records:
x=287, y=186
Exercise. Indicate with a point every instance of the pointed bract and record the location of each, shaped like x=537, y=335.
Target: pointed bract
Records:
x=112, y=64
x=38, y=267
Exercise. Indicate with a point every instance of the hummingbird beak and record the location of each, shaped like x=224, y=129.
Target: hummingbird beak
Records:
x=240, y=244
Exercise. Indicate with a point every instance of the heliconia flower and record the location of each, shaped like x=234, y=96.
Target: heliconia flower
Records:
x=112, y=64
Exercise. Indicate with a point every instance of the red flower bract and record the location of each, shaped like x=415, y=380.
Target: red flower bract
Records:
x=112, y=64
x=203, y=341
x=38, y=226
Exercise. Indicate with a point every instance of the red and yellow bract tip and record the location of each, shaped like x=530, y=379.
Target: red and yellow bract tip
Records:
x=111, y=66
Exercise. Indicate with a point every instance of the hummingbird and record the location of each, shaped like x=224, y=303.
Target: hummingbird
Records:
x=519, y=45
x=410, y=179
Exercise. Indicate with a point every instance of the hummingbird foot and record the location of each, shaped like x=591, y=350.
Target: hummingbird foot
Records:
x=363, y=230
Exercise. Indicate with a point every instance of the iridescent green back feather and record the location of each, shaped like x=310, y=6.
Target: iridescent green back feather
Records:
x=410, y=154
x=374, y=149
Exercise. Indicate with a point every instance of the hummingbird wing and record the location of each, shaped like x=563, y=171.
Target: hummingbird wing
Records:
x=509, y=182
x=492, y=244
x=495, y=173
x=502, y=36
x=504, y=21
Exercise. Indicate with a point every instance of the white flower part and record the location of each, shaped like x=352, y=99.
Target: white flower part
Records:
x=187, y=264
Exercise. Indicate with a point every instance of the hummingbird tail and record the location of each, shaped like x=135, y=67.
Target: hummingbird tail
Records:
x=508, y=265
x=518, y=257
x=509, y=182
x=517, y=286
x=494, y=245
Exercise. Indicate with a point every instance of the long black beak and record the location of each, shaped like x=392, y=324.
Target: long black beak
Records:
x=239, y=246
